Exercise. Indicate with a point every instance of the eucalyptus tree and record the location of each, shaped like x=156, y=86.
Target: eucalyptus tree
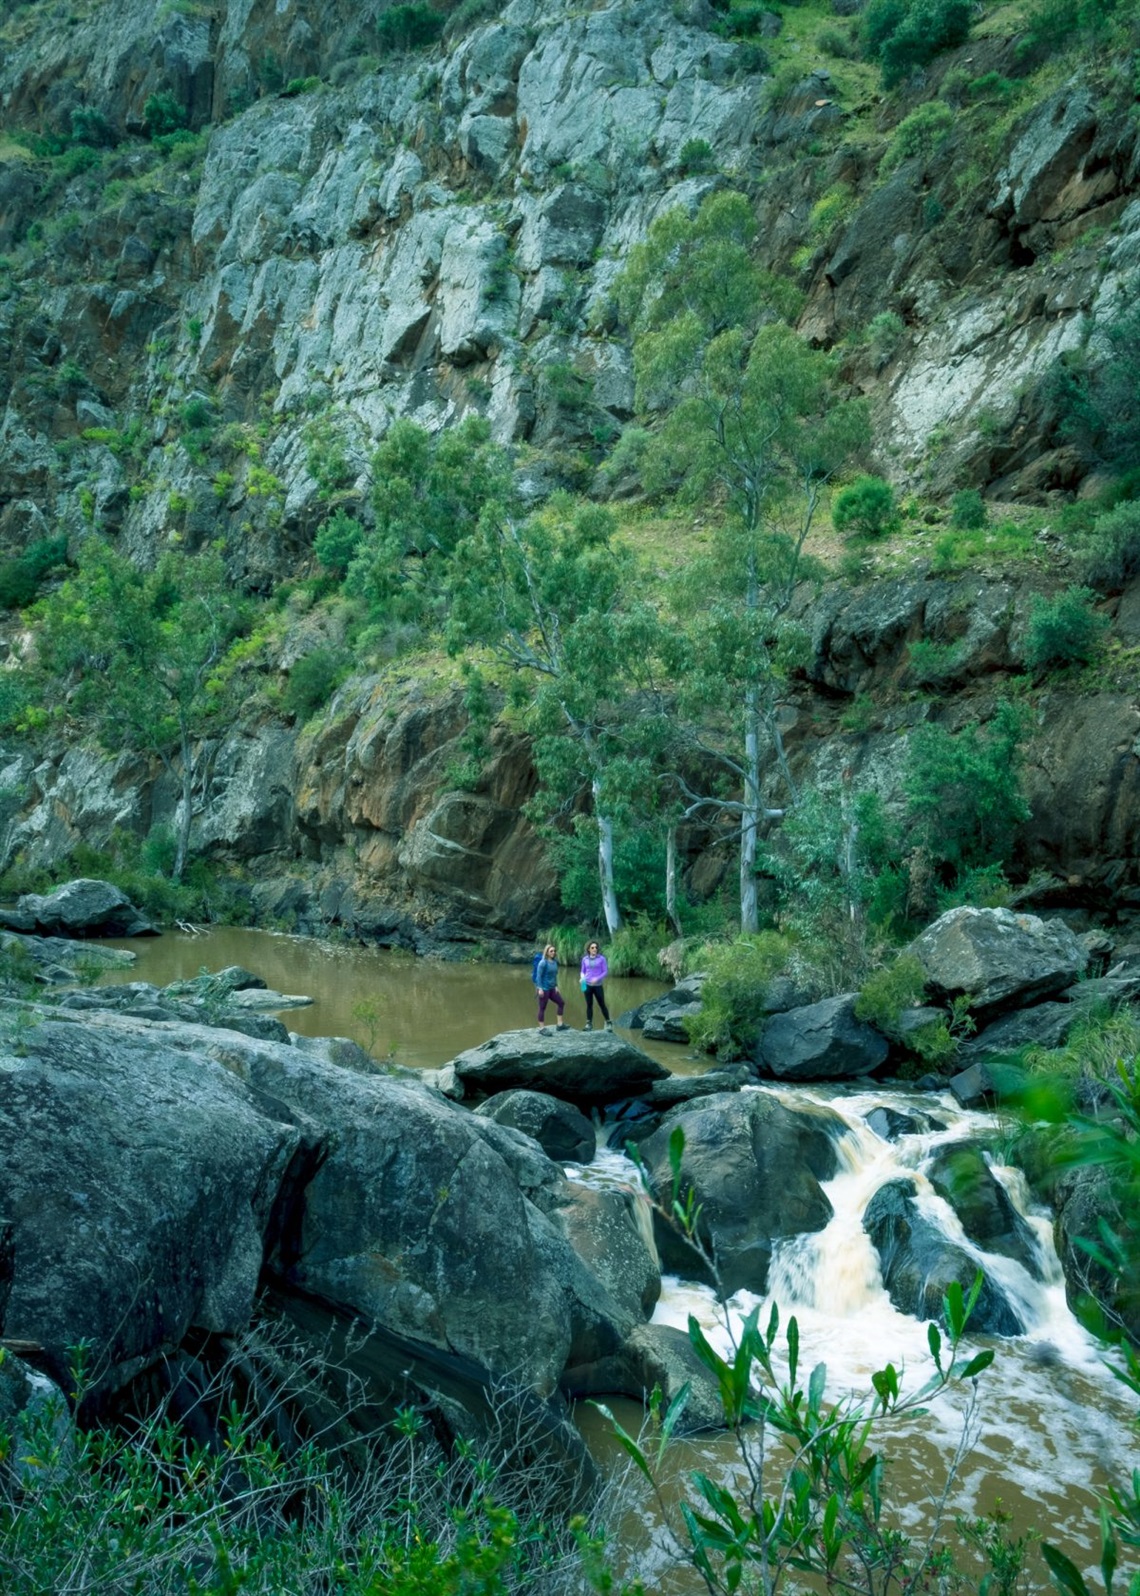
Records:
x=547, y=596
x=747, y=417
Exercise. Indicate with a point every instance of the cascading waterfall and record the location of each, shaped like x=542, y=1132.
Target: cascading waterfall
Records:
x=1051, y=1418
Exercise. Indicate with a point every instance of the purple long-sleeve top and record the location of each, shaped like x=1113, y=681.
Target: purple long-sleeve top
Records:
x=595, y=969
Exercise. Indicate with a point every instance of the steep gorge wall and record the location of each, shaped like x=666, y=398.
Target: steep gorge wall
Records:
x=431, y=236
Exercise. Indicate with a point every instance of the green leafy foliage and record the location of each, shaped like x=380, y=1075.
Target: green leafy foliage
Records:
x=20, y=578
x=141, y=655
x=866, y=508
x=963, y=791
x=409, y=27
x=1108, y=554
x=313, y=680
x=733, y=997
x=1064, y=630
x=968, y=510
x=157, y=1509
x=885, y=994
x=430, y=494
x=338, y=540
x=163, y=115
x=903, y=35
x=919, y=135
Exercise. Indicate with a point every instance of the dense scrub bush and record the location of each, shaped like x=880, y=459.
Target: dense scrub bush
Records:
x=20, y=578
x=865, y=509
x=1108, y=554
x=732, y=999
x=1063, y=630
x=918, y=135
x=163, y=115
x=964, y=797
x=337, y=542
x=409, y=26
x=902, y=35
x=968, y=510
x=312, y=682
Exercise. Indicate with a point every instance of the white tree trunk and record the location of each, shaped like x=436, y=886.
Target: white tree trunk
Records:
x=671, y=880
x=606, y=866
x=750, y=817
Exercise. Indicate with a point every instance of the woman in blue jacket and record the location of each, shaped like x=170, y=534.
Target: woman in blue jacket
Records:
x=546, y=985
x=594, y=971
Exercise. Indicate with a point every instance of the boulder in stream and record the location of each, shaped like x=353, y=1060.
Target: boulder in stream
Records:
x=1001, y=960
x=820, y=1042
x=918, y=1262
x=85, y=908
x=960, y=1174
x=754, y=1168
x=585, y=1067
x=561, y=1130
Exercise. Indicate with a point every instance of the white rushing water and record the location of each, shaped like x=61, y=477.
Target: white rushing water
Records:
x=1051, y=1424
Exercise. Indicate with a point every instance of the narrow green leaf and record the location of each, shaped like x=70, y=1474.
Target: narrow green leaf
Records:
x=674, y=1411
x=980, y=1361
x=793, y=1351
x=1066, y=1575
x=934, y=1337
x=953, y=1310
x=627, y=1442
x=1107, y=1549
x=816, y=1387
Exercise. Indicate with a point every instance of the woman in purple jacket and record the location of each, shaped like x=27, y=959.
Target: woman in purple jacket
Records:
x=594, y=971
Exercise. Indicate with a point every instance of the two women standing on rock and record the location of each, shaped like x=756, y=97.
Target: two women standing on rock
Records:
x=594, y=970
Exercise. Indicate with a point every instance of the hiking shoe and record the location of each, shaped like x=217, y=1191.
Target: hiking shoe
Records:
x=544, y=1030
x=589, y=1025
x=562, y=1026
x=609, y=1025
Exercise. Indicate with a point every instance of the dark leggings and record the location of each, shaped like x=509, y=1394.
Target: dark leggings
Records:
x=598, y=992
x=544, y=998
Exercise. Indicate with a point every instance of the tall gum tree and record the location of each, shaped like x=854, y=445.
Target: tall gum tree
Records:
x=748, y=416
x=545, y=595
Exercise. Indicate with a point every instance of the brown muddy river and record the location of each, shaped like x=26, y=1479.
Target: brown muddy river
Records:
x=422, y=1012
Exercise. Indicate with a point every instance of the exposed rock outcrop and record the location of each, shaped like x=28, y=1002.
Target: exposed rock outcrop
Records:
x=582, y=1067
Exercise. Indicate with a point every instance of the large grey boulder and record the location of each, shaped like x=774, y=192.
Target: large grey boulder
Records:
x=961, y=1175
x=1045, y=1025
x=610, y=1231
x=581, y=1066
x=139, y=1181
x=1001, y=960
x=918, y=1263
x=81, y=908
x=665, y=1019
x=561, y=1130
x=754, y=1168
x=659, y=1357
x=822, y=1041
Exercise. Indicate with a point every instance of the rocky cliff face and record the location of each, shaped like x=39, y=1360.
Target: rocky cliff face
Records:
x=206, y=339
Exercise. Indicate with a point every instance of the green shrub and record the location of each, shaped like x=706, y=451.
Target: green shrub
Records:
x=1064, y=630
x=633, y=949
x=918, y=135
x=964, y=799
x=468, y=13
x=337, y=542
x=312, y=682
x=933, y=664
x=732, y=999
x=902, y=35
x=408, y=27
x=162, y=114
x=865, y=509
x=697, y=155
x=20, y=578
x=885, y=994
x=968, y=510
x=89, y=126
x=884, y=334
x=1108, y=554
